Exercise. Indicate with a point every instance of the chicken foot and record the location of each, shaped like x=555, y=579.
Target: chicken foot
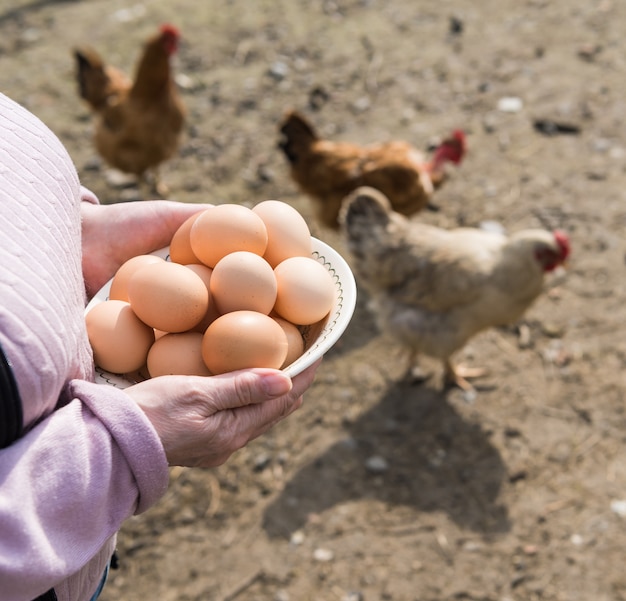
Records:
x=459, y=375
x=151, y=180
x=454, y=375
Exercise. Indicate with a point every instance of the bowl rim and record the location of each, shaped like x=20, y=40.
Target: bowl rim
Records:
x=341, y=313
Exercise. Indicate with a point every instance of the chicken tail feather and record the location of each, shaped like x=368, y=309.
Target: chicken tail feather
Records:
x=91, y=76
x=365, y=206
x=364, y=213
x=374, y=236
x=297, y=133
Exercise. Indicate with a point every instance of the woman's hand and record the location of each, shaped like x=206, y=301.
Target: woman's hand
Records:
x=202, y=421
x=112, y=234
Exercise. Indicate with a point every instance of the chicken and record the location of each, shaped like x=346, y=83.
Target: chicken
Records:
x=327, y=171
x=433, y=289
x=138, y=123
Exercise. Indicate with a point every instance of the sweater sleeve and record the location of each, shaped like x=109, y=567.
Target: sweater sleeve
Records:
x=67, y=486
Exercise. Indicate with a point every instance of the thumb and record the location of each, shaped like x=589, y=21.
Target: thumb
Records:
x=251, y=386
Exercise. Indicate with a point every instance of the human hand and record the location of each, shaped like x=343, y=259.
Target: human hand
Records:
x=112, y=234
x=202, y=421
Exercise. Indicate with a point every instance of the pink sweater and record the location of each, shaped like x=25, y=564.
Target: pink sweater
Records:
x=87, y=458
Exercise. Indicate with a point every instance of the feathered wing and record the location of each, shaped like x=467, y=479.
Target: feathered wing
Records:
x=446, y=269
x=410, y=262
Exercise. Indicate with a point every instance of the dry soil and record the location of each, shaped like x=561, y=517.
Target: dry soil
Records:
x=378, y=489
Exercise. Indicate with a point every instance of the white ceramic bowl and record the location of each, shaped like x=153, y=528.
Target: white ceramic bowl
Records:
x=318, y=338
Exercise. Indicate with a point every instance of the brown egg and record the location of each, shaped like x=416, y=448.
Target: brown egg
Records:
x=288, y=234
x=168, y=296
x=243, y=281
x=119, y=339
x=295, y=341
x=180, y=245
x=119, y=284
x=241, y=340
x=177, y=354
x=306, y=290
x=212, y=313
x=227, y=228
x=203, y=271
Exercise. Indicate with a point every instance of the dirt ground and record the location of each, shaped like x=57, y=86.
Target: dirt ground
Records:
x=378, y=490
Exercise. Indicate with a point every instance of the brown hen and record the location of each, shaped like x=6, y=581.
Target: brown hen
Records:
x=138, y=123
x=327, y=171
x=433, y=289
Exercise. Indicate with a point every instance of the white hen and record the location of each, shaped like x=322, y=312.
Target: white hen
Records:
x=433, y=289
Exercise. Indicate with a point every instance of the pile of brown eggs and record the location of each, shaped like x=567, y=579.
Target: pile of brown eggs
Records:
x=238, y=285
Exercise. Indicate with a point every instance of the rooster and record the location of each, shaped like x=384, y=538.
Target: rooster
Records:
x=327, y=171
x=138, y=123
x=433, y=289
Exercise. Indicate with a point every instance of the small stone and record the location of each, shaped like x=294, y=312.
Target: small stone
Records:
x=576, y=540
x=601, y=145
x=469, y=396
x=552, y=330
x=93, y=163
x=297, y=538
x=118, y=179
x=376, y=464
x=127, y=15
x=186, y=82
x=323, y=555
x=130, y=195
x=619, y=507
x=530, y=549
x=510, y=104
x=589, y=52
x=30, y=35
x=353, y=596
x=550, y=127
x=279, y=70
x=437, y=458
x=361, y=104
x=489, y=123
x=349, y=443
x=455, y=25
x=261, y=461
x=472, y=546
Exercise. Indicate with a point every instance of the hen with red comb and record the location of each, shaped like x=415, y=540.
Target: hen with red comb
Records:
x=433, y=289
x=327, y=171
x=139, y=121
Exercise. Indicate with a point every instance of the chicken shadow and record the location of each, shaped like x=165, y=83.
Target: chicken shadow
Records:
x=435, y=461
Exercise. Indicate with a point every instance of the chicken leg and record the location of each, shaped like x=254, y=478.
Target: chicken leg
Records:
x=152, y=182
x=458, y=375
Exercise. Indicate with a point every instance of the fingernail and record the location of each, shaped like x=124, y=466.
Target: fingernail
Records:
x=276, y=384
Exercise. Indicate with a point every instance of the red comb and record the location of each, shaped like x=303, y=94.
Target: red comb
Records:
x=170, y=36
x=451, y=149
x=459, y=136
x=562, y=239
x=168, y=29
